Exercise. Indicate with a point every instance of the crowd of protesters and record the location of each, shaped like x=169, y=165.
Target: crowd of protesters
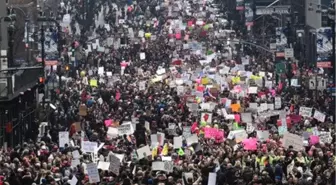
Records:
x=156, y=94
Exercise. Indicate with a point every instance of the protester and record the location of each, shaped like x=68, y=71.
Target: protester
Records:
x=153, y=97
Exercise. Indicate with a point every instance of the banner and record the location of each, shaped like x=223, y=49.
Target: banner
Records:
x=281, y=42
x=264, y=10
x=324, y=47
x=239, y=5
x=249, y=13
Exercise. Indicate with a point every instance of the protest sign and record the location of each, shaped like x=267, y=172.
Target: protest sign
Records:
x=112, y=132
x=157, y=166
x=238, y=135
x=210, y=133
x=305, y=111
x=246, y=117
x=293, y=140
x=186, y=132
x=249, y=128
x=114, y=163
x=178, y=142
x=250, y=144
x=172, y=129
x=103, y=165
x=206, y=117
x=125, y=129
x=192, y=139
x=325, y=137
x=212, y=179
x=262, y=135
x=93, y=174
x=319, y=116
x=144, y=152
x=82, y=110
x=89, y=147
x=63, y=138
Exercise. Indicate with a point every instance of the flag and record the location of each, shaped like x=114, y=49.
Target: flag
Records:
x=165, y=150
x=180, y=152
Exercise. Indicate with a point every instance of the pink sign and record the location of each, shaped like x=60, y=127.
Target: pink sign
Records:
x=178, y=36
x=250, y=144
x=213, y=133
x=237, y=118
x=314, y=140
x=210, y=132
x=108, y=122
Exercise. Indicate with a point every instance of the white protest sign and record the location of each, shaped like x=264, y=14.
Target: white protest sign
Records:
x=206, y=117
x=154, y=140
x=101, y=71
x=103, y=165
x=325, y=137
x=112, y=132
x=319, y=116
x=186, y=132
x=262, y=135
x=253, y=90
x=125, y=129
x=142, y=56
x=157, y=166
x=114, y=163
x=249, y=128
x=168, y=166
x=192, y=139
x=212, y=179
x=63, y=138
x=89, y=147
x=142, y=85
x=178, y=142
x=92, y=171
x=74, y=180
x=161, y=71
x=144, y=152
x=305, y=111
x=293, y=140
x=246, y=117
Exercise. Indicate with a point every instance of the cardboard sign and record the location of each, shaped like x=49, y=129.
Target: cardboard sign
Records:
x=82, y=110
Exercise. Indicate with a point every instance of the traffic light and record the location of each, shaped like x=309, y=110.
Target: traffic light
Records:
x=67, y=67
x=40, y=86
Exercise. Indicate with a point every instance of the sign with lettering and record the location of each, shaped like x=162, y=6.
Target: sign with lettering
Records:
x=262, y=10
x=293, y=140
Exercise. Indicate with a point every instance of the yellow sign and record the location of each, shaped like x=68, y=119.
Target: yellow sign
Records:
x=93, y=83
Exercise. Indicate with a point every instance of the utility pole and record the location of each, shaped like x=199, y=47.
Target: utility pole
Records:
x=43, y=62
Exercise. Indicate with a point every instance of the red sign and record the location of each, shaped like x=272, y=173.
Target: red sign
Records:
x=326, y=64
x=280, y=54
x=48, y=62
